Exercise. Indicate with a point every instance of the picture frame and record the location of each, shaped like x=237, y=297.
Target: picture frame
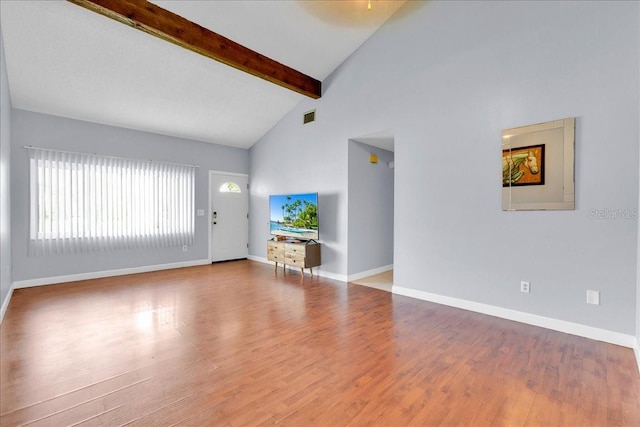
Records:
x=523, y=166
x=553, y=187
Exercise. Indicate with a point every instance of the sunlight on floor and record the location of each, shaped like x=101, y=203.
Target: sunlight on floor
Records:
x=382, y=281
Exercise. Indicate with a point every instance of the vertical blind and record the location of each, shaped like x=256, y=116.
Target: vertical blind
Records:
x=84, y=202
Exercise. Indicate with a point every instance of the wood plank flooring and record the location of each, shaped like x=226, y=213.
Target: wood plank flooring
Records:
x=234, y=344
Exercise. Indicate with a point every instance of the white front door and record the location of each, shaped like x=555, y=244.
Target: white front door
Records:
x=229, y=216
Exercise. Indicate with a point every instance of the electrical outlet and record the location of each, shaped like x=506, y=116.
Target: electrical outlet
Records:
x=593, y=297
x=184, y=248
x=525, y=287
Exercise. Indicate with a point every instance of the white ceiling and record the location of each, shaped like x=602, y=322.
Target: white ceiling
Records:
x=66, y=61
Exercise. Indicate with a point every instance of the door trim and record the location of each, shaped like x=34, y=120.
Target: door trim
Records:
x=210, y=205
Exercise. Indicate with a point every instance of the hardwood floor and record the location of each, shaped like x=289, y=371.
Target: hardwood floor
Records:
x=233, y=344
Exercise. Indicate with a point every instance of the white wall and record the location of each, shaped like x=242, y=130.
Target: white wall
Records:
x=5, y=199
x=370, y=203
x=46, y=131
x=448, y=77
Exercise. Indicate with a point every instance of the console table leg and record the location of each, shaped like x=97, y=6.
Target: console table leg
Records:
x=311, y=271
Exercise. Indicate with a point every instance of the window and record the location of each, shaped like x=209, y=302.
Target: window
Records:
x=230, y=187
x=82, y=202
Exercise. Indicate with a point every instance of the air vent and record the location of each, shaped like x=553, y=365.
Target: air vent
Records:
x=309, y=116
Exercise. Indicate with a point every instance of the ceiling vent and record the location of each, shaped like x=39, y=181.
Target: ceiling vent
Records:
x=309, y=117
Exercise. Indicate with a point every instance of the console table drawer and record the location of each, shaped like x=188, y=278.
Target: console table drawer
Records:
x=275, y=257
x=294, y=258
x=275, y=246
x=294, y=248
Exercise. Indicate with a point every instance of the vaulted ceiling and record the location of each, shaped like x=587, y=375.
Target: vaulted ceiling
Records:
x=68, y=61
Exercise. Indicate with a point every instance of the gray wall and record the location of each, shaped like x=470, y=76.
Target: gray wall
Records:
x=448, y=77
x=370, y=193
x=5, y=199
x=297, y=158
x=42, y=130
x=638, y=262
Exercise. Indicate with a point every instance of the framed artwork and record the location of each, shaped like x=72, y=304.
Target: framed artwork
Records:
x=523, y=166
x=538, y=166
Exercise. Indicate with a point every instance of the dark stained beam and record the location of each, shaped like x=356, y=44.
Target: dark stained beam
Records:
x=152, y=19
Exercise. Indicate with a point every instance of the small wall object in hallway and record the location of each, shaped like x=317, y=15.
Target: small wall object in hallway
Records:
x=523, y=166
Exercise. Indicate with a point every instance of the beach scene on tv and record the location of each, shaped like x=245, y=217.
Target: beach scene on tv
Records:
x=294, y=215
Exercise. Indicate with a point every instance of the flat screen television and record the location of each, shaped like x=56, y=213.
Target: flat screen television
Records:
x=294, y=215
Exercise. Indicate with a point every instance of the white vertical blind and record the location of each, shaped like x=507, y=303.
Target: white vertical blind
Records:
x=82, y=202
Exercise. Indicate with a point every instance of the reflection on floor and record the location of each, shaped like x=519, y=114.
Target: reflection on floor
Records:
x=382, y=281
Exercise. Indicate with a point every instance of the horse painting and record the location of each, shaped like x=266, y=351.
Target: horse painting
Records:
x=523, y=166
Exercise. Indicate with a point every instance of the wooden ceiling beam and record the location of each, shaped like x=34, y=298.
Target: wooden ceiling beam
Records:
x=154, y=20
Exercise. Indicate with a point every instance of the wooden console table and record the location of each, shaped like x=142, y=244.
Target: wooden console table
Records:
x=294, y=252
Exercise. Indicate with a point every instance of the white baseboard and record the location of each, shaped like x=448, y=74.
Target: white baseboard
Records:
x=333, y=276
x=106, y=273
x=636, y=350
x=259, y=259
x=316, y=270
x=518, y=316
x=5, y=303
x=368, y=273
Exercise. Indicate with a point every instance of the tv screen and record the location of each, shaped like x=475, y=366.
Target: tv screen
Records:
x=294, y=215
